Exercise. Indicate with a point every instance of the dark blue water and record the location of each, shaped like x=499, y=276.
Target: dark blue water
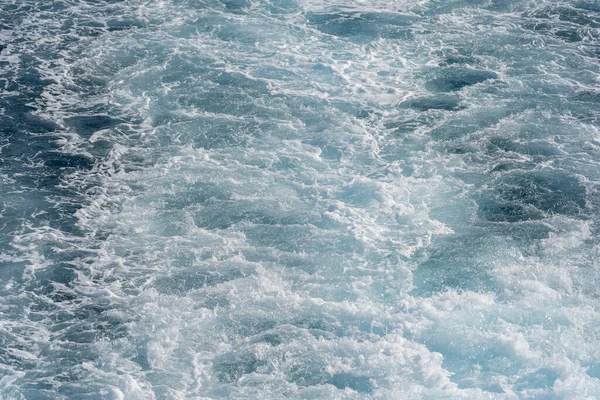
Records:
x=299, y=199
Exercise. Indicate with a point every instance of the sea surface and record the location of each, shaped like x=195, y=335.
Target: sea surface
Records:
x=299, y=199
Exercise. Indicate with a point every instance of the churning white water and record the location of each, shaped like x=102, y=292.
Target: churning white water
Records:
x=303, y=199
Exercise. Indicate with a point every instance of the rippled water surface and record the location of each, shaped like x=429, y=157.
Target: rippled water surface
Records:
x=303, y=199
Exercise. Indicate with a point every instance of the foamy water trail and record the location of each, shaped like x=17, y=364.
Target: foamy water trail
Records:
x=304, y=199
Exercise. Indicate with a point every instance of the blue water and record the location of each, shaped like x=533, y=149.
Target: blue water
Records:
x=299, y=199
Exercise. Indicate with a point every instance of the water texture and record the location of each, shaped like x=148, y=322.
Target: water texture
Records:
x=299, y=199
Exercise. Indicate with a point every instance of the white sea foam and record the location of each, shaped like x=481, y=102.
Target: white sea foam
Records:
x=307, y=199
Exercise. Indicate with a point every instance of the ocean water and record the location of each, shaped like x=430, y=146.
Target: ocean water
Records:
x=299, y=199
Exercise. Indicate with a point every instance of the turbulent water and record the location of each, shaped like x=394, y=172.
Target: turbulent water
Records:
x=303, y=199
